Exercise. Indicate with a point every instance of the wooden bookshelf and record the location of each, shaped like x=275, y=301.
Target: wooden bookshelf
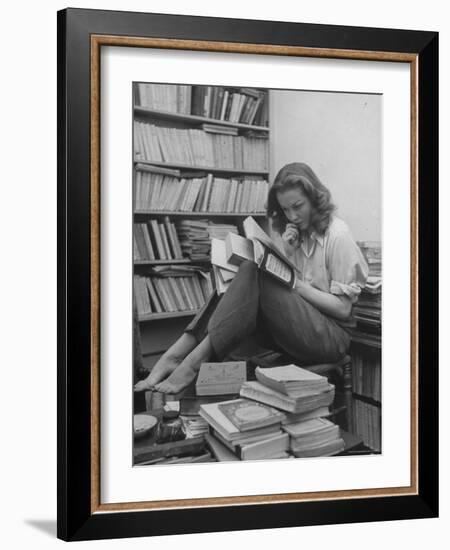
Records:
x=156, y=213
x=206, y=169
x=234, y=154
x=167, y=315
x=195, y=119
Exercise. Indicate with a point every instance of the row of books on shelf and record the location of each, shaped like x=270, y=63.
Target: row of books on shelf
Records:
x=156, y=241
x=367, y=423
x=366, y=372
x=193, y=147
x=188, y=239
x=280, y=415
x=172, y=289
x=243, y=105
x=158, y=192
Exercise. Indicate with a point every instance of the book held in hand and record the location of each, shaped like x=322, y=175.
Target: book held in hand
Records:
x=247, y=415
x=257, y=247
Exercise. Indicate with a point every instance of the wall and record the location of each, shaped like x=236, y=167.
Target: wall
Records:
x=339, y=136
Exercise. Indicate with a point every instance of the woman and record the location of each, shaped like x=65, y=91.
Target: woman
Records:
x=308, y=322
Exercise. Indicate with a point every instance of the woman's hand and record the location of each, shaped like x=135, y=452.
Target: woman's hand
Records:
x=291, y=238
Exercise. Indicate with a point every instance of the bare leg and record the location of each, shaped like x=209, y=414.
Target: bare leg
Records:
x=168, y=362
x=183, y=375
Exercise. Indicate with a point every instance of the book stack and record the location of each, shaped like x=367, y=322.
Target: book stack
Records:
x=316, y=437
x=194, y=239
x=251, y=431
x=289, y=388
x=221, y=230
x=367, y=311
x=304, y=397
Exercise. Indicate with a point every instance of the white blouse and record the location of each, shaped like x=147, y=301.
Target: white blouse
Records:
x=333, y=263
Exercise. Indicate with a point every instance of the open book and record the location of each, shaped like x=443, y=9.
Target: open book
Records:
x=257, y=247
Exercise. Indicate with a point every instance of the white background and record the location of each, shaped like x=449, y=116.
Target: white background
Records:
x=28, y=276
x=119, y=482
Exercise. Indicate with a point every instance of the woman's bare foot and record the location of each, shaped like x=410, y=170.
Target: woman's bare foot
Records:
x=183, y=375
x=168, y=362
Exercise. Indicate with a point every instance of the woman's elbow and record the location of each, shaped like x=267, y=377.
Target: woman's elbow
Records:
x=345, y=309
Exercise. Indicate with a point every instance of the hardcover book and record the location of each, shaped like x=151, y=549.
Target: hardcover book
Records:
x=247, y=415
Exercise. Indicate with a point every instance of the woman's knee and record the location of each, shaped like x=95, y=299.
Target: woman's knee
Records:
x=248, y=265
x=248, y=269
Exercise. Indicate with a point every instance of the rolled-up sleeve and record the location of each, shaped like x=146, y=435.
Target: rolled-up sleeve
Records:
x=347, y=266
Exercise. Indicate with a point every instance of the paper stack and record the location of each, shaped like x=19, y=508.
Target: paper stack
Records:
x=304, y=397
x=289, y=388
x=316, y=437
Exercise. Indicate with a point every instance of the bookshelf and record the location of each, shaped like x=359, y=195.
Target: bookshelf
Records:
x=201, y=166
x=366, y=374
x=366, y=353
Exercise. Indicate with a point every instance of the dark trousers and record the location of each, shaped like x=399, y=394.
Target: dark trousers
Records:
x=278, y=318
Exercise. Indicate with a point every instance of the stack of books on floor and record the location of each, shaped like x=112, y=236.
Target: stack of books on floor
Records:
x=304, y=397
x=316, y=437
x=250, y=430
x=367, y=311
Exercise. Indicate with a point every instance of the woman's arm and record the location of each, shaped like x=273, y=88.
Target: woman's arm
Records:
x=339, y=307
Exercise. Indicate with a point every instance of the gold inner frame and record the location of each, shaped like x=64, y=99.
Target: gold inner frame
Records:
x=97, y=41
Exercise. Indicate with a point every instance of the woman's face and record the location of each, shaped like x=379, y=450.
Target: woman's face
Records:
x=296, y=207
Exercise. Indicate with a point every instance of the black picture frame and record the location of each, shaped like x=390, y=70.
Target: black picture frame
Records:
x=79, y=517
